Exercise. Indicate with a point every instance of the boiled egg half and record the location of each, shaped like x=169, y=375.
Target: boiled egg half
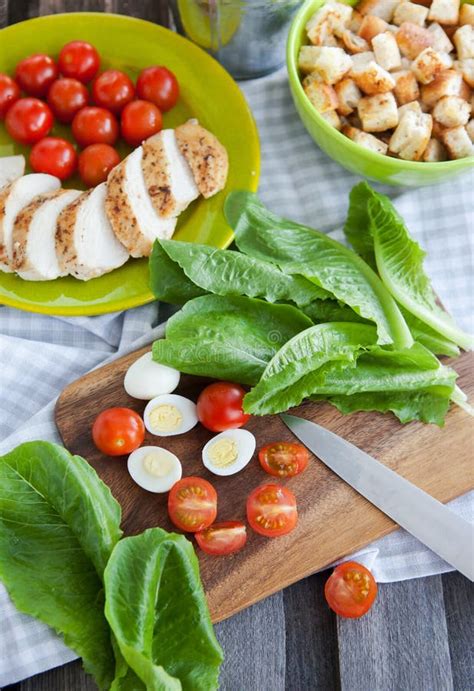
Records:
x=146, y=378
x=229, y=452
x=155, y=469
x=170, y=414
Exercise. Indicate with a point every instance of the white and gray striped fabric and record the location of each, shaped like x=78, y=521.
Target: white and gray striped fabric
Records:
x=39, y=355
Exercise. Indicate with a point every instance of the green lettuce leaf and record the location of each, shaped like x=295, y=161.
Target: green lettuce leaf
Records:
x=157, y=609
x=168, y=282
x=297, y=249
x=424, y=334
x=58, y=526
x=322, y=311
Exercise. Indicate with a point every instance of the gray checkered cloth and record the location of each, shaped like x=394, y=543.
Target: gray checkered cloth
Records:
x=39, y=355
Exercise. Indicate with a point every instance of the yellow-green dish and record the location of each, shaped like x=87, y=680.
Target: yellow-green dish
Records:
x=357, y=159
x=208, y=93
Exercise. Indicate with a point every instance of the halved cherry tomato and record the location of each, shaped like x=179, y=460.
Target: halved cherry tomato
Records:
x=36, y=73
x=271, y=510
x=93, y=125
x=192, y=504
x=158, y=85
x=283, y=459
x=222, y=538
x=219, y=406
x=28, y=120
x=66, y=98
x=96, y=162
x=79, y=60
x=118, y=431
x=113, y=89
x=350, y=590
x=55, y=156
x=9, y=93
x=140, y=119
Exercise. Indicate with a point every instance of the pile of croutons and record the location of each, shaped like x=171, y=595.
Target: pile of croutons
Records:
x=395, y=76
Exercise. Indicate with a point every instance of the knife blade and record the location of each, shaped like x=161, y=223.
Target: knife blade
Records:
x=433, y=523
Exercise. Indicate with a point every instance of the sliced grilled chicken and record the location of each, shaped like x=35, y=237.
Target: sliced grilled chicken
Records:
x=33, y=237
x=130, y=211
x=13, y=198
x=168, y=177
x=205, y=155
x=86, y=246
x=11, y=168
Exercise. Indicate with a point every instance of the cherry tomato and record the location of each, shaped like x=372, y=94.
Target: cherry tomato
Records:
x=219, y=406
x=158, y=85
x=66, y=97
x=222, y=538
x=192, y=504
x=271, y=510
x=93, y=125
x=283, y=459
x=96, y=162
x=118, y=431
x=113, y=90
x=35, y=74
x=79, y=60
x=350, y=590
x=28, y=120
x=54, y=156
x=139, y=121
x=9, y=93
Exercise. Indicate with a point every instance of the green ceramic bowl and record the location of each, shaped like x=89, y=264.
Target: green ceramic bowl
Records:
x=357, y=159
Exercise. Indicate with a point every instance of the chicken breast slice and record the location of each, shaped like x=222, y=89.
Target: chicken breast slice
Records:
x=86, y=246
x=129, y=208
x=33, y=237
x=205, y=155
x=168, y=177
x=11, y=168
x=13, y=198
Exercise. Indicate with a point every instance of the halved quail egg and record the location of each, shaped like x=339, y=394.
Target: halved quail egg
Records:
x=154, y=468
x=228, y=452
x=170, y=414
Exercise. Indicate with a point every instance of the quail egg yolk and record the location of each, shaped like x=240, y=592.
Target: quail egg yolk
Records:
x=166, y=418
x=223, y=453
x=157, y=464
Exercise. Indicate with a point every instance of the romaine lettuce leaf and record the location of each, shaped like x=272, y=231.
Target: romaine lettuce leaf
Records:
x=157, y=609
x=168, y=282
x=321, y=311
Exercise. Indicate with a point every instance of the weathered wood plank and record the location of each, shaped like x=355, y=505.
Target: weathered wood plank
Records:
x=459, y=607
x=18, y=10
x=153, y=10
x=69, y=677
x=57, y=6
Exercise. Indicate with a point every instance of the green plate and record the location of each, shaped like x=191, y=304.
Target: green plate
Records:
x=207, y=93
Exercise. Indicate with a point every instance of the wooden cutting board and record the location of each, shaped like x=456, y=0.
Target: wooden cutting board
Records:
x=333, y=519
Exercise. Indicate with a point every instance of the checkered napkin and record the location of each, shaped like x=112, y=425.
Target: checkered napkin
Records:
x=39, y=355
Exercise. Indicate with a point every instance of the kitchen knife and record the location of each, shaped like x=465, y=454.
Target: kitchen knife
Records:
x=434, y=524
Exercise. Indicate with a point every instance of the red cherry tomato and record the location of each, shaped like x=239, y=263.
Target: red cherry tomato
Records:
x=35, y=74
x=192, y=504
x=271, y=510
x=222, y=538
x=118, y=431
x=96, y=162
x=28, y=120
x=158, y=85
x=66, y=97
x=139, y=121
x=79, y=60
x=350, y=590
x=283, y=459
x=219, y=406
x=54, y=156
x=93, y=125
x=113, y=90
x=9, y=93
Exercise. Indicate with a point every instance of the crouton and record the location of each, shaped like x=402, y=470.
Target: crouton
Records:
x=348, y=96
x=413, y=105
x=472, y=104
x=411, y=136
x=435, y=152
x=360, y=59
x=356, y=21
x=368, y=141
x=371, y=26
x=386, y=51
x=444, y=11
x=410, y=12
x=307, y=58
x=412, y=39
x=331, y=18
x=332, y=118
x=464, y=41
x=406, y=87
x=379, y=8
x=441, y=41
x=378, y=113
x=354, y=43
x=322, y=96
x=466, y=68
x=371, y=78
x=438, y=130
x=452, y=111
x=466, y=14
x=448, y=83
x=330, y=63
x=470, y=129
x=457, y=142
x=429, y=64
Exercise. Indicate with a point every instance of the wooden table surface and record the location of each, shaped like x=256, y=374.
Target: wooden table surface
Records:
x=417, y=638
